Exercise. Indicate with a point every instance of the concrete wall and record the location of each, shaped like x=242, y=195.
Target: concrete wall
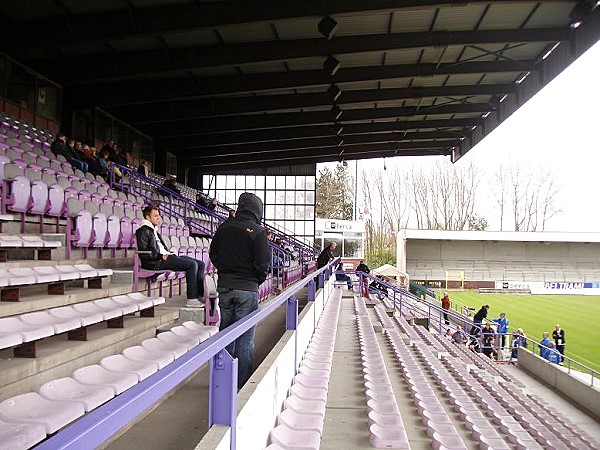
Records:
x=582, y=394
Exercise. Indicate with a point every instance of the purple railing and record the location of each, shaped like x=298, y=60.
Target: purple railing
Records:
x=99, y=425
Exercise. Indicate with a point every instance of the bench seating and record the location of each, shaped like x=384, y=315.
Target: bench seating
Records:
x=12, y=280
x=44, y=248
x=26, y=419
x=23, y=331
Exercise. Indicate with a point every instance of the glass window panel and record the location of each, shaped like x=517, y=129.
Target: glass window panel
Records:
x=300, y=212
x=259, y=182
x=270, y=196
x=299, y=228
x=310, y=183
x=310, y=197
x=280, y=212
x=310, y=212
x=300, y=197
x=353, y=248
x=310, y=228
x=290, y=183
x=289, y=212
x=250, y=183
x=290, y=198
x=270, y=182
x=269, y=212
x=280, y=183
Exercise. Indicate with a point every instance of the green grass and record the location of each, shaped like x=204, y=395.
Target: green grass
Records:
x=577, y=314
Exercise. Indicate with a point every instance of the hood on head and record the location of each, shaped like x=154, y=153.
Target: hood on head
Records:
x=250, y=204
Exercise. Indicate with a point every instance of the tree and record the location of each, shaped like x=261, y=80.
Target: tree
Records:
x=334, y=194
x=531, y=193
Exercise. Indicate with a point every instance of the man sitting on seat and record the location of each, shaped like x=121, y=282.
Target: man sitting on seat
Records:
x=155, y=256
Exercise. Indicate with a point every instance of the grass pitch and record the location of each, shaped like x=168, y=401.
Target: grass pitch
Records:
x=578, y=315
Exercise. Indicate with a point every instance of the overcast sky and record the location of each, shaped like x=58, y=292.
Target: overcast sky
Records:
x=559, y=129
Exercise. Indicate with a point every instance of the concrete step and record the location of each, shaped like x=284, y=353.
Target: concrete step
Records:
x=59, y=357
x=36, y=298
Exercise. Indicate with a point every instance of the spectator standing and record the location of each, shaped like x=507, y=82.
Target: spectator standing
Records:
x=362, y=267
x=326, y=255
x=553, y=356
x=170, y=183
x=240, y=252
x=545, y=345
x=155, y=256
x=519, y=340
x=446, y=307
x=559, y=341
x=143, y=168
x=502, y=322
x=478, y=318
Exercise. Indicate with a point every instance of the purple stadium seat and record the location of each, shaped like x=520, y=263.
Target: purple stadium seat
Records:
x=20, y=198
x=114, y=233
x=40, y=201
x=83, y=235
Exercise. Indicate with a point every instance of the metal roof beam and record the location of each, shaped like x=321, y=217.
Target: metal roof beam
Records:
x=241, y=137
x=169, y=112
x=180, y=88
x=113, y=24
x=270, y=121
x=94, y=66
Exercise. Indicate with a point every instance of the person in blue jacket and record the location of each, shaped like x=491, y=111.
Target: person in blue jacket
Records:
x=502, y=330
x=544, y=345
x=553, y=356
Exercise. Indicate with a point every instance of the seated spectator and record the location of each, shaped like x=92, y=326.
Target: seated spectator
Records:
x=201, y=200
x=487, y=330
x=474, y=343
x=448, y=334
x=170, y=184
x=213, y=204
x=378, y=289
x=459, y=336
x=91, y=159
x=144, y=168
x=104, y=164
x=231, y=214
x=488, y=348
x=60, y=146
x=341, y=275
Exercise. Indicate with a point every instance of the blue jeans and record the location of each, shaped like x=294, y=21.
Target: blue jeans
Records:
x=194, y=273
x=235, y=305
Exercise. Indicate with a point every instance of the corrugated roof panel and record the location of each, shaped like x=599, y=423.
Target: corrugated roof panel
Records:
x=459, y=18
x=247, y=32
x=436, y=80
x=527, y=51
x=359, y=106
x=505, y=15
x=551, y=14
x=441, y=54
x=199, y=36
x=483, y=52
x=306, y=63
x=402, y=56
x=311, y=89
x=136, y=43
x=405, y=21
x=374, y=23
x=301, y=28
x=215, y=71
x=395, y=83
x=263, y=67
x=466, y=79
x=504, y=77
x=360, y=59
x=359, y=85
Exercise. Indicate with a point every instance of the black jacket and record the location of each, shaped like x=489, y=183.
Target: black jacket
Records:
x=481, y=314
x=362, y=267
x=324, y=257
x=146, y=242
x=239, y=249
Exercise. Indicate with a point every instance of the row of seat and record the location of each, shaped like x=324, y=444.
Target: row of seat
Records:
x=482, y=403
x=386, y=428
x=12, y=279
x=30, y=327
x=300, y=424
x=43, y=247
x=27, y=419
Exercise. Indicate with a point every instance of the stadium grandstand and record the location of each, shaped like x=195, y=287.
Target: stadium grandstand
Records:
x=210, y=99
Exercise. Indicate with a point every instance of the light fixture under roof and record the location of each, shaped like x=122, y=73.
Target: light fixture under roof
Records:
x=334, y=91
x=331, y=65
x=337, y=112
x=327, y=27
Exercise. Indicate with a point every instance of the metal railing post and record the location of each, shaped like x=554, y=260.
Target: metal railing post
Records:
x=222, y=400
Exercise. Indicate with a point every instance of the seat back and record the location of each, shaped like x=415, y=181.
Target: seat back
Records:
x=39, y=197
x=84, y=229
x=56, y=201
x=114, y=232
x=20, y=197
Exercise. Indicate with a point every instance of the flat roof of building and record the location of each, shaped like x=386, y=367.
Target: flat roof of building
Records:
x=506, y=236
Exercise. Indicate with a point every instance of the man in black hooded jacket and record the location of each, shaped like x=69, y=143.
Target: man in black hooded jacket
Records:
x=240, y=252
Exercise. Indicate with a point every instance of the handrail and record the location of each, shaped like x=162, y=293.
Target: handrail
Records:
x=99, y=425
